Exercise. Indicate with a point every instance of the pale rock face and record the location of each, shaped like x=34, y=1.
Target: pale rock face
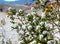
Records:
x=7, y=29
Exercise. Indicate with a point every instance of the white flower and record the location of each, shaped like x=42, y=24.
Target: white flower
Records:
x=34, y=35
x=44, y=32
x=34, y=18
x=26, y=18
x=30, y=37
x=29, y=27
x=50, y=42
x=23, y=26
x=32, y=32
x=24, y=22
x=17, y=13
x=39, y=43
x=33, y=13
x=48, y=25
x=58, y=16
x=37, y=18
x=27, y=33
x=20, y=10
x=40, y=0
x=56, y=39
x=9, y=8
x=32, y=8
x=21, y=41
x=57, y=22
x=28, y=24
x=40, y=36
x=28, y=14
x=33, y=42
x=37, y=26
x=42, y=15
x=21, y=32
x=59, y=9
x=20, y=22
x=45, y=38
x=41, y=23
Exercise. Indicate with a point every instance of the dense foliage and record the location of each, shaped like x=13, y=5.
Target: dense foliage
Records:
x=34, y=29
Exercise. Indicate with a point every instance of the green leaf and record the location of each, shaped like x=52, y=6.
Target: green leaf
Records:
x=12, y=18
x=3, y=41
x=7, y=43
x=10, y=42
x=12, y=22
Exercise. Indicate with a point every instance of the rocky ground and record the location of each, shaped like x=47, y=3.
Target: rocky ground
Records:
x=17, y=6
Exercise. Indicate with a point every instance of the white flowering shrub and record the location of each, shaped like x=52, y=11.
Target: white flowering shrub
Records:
x=33, y=29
